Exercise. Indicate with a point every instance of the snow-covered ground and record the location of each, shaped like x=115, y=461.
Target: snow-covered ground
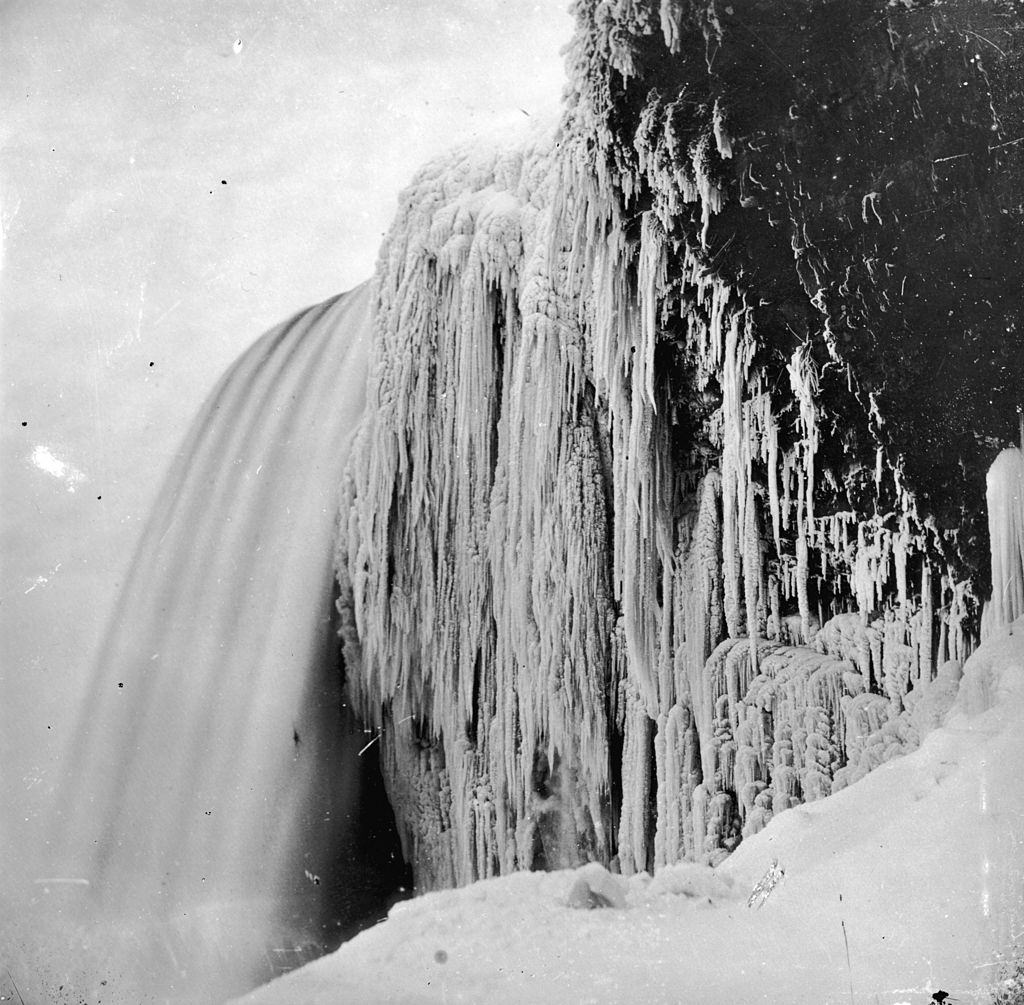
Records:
x=907, y=883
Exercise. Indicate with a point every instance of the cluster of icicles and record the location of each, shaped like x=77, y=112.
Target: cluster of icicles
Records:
x=570, y=648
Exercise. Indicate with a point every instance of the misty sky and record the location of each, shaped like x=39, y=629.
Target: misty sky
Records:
x=176, y=177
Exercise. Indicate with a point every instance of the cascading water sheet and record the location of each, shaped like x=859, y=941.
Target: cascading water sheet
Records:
x=197, y=776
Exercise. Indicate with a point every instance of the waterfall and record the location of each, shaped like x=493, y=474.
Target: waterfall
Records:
x=197, y=792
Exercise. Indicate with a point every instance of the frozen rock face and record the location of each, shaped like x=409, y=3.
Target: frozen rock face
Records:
x=664, y=517
x=852, y=171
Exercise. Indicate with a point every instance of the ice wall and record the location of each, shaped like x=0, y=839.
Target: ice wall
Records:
x=665, y=517
x=477, y=550
x=537, y=569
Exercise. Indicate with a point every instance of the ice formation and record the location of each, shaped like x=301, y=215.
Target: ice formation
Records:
x=539, y=588
x=617, y=581
x=1005, y=498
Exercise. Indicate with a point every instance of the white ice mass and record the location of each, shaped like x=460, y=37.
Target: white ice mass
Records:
x=528, y=569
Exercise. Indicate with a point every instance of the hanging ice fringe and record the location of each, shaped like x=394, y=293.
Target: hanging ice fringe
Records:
x=543, y=603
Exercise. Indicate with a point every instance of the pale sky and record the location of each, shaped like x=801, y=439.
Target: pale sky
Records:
x=176, y=177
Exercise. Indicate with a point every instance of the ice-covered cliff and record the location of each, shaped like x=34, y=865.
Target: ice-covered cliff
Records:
x=662, y=520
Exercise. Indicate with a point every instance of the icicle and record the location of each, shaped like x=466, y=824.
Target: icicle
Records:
x=1005, y=498
x=774, y=629
x=803, y=380
x=518, y=432
x=709, y=196
x=926, y=657
x=479, y=502
x=671, y=23
x=802, y=563
x=650, y=279
x=636, y=785
x=900, y=555
x=735, y=472
x=752, y=572
x=722, y=140
x=787, y=476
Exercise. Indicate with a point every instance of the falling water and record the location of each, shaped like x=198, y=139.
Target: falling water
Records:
x=196, y=798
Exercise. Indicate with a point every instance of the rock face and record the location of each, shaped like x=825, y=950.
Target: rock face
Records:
x=667, y=510
x=863, y=162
